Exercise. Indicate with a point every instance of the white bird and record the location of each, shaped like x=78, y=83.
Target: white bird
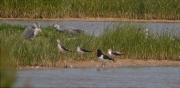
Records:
x=114, y=53
x=82, y=50
x=62, y=49
x=31, y=31
x=67, y=29
x=146, y=33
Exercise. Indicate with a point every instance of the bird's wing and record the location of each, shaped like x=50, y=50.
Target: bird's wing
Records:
x=64, y=29
x=85, y=50
x=107, y=58
x=116, y=53
x=70, y=27
x=65, y=49
x=28, y=32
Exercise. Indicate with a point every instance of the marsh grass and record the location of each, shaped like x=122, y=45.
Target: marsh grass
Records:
x=132, y=9
x=128, y=39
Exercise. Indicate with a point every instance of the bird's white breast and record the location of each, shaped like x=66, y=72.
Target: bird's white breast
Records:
x=102, y=59
x=79, y=51
x=60, y=48
x=36, y=31
x=109, y=52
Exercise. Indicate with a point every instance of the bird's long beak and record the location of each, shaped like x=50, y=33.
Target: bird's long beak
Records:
x=94, y=52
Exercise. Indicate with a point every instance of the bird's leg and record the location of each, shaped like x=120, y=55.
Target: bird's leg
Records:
x=64, y=62
x=82, y=57
x=65, y=65
x=103, y=65
x=62, y=59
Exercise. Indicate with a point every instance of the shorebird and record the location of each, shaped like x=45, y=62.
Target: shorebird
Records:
x=31, y=31
x=114, y=53
x=62, y=49
x=82, y=51
x=67, y=29
x=103, y=58
x=146, y=33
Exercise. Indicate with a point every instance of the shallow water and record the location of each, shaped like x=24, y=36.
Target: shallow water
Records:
x=149, y=77
x=98, y=27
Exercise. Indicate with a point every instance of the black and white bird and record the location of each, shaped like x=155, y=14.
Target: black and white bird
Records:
x=103, y=58
x=82, y=50
x=31, y=31
x=114, y=53
x=62, y=49
x=67, y=29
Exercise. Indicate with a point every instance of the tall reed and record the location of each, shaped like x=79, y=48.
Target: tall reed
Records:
x=132, y=9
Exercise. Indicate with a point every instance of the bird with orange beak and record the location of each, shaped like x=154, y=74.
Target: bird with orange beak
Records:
x=102, y=57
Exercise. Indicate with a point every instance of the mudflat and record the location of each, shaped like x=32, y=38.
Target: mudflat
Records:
x=117, y=63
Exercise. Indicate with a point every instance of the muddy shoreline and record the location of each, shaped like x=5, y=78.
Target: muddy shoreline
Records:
x=92, y=19
x=118, y=63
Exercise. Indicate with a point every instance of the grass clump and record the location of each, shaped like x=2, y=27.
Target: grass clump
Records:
x=132, y=41
x=129, y=40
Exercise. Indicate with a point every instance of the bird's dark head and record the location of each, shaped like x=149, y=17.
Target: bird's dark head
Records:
x=98, y=52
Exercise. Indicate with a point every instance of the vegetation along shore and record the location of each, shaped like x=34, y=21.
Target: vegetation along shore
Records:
x=129, y=40
x=130, y=9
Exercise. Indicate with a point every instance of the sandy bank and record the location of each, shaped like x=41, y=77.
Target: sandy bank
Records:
x=118, y=63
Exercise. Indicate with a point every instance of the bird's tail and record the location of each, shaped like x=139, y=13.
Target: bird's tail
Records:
x=88, y=51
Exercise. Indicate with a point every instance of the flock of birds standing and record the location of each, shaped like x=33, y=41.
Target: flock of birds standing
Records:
x=33, y=30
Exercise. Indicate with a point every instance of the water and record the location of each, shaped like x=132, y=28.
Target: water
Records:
x=98, y=27
x=148, y=77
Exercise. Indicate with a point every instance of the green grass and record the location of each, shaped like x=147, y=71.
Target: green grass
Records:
x=132, y=9
x=128, y=39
